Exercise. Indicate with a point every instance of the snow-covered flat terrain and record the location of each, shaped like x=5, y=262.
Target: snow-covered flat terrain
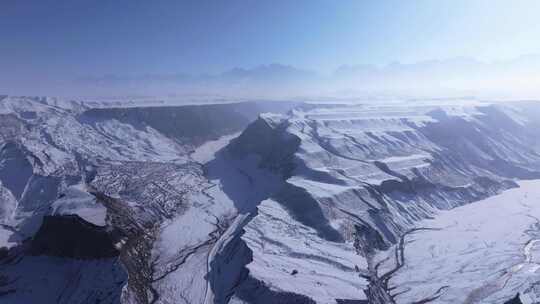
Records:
x=484, y=252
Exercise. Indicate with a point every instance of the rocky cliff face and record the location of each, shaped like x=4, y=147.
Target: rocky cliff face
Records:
x=213, y=204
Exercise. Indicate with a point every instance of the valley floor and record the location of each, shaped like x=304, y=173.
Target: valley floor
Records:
x=484, y=252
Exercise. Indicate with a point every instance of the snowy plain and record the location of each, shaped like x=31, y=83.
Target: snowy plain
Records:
x=485, y=252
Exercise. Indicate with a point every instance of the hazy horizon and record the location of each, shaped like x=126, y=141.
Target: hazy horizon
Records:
x=260, y=50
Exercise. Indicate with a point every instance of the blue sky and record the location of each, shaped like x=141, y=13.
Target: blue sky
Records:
x=47, y=40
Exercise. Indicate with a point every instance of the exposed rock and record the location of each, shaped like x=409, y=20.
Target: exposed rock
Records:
x=69, y=236
x=515, y=300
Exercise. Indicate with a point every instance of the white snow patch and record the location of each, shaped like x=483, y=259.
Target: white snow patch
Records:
x=484, y=252
x=291, y=257
x=79, y=202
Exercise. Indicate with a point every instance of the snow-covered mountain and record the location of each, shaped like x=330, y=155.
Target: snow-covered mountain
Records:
x=268, y=202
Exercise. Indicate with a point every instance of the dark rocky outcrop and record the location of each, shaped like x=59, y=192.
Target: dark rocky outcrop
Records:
x=345, y=301
x=514, y=300
x=70, y=236
x=255, y=291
